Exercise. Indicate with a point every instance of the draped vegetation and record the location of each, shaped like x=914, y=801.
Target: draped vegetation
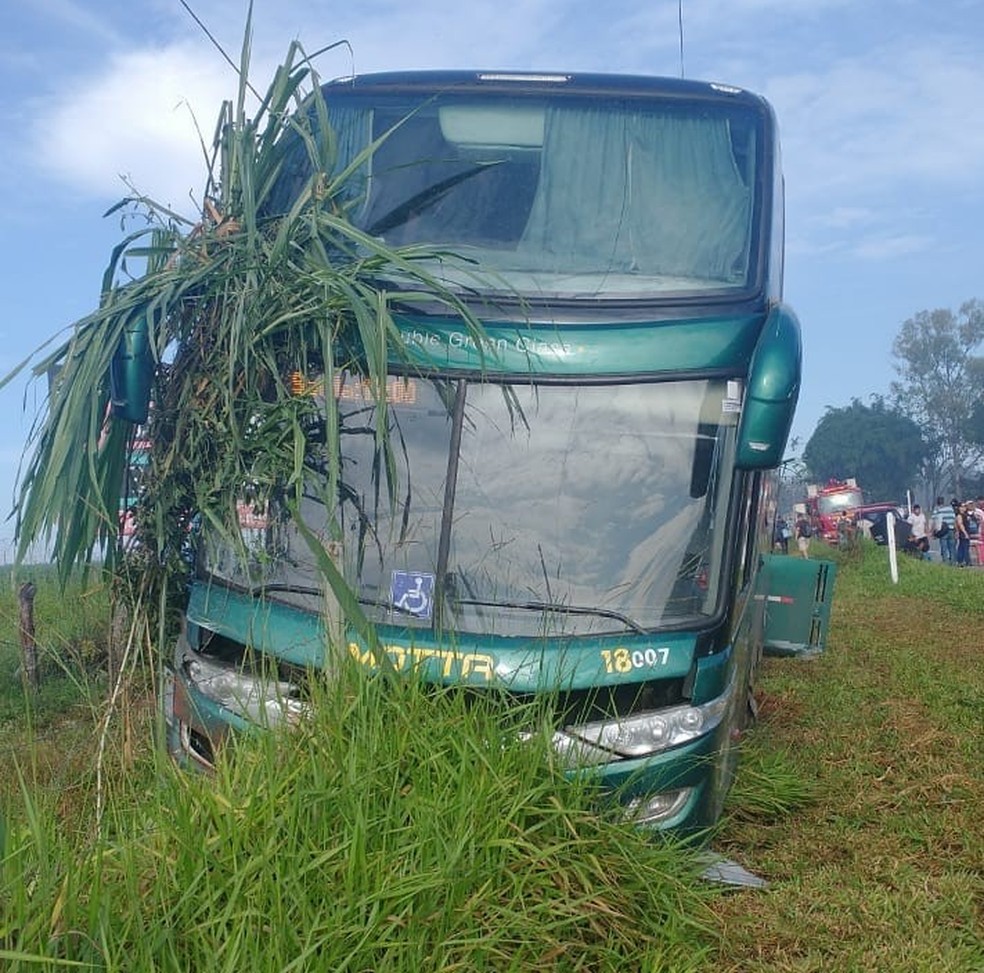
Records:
x=234, y=303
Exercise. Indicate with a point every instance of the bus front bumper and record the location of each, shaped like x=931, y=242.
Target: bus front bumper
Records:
x=669, y=769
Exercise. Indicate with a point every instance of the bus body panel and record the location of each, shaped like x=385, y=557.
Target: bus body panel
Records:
x=655, y=363
x=675, y=346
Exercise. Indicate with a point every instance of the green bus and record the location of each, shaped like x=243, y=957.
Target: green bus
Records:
x=578, y=500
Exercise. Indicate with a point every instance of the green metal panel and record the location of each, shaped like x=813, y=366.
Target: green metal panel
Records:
x=296, y=636
x=773, y=388
x=685, y=344
x=530, y=665
x=798, y=594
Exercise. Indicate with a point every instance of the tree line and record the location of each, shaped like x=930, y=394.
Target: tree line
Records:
x=928, y=433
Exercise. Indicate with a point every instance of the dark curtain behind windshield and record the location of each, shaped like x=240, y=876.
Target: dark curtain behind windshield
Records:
x=620, y=191
x=640, y=193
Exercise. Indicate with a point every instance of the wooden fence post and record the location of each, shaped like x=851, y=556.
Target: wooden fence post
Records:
x=29, y=649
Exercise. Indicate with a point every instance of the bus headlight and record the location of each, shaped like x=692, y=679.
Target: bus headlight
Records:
x=642, y=734
x=261, y=700
x=656, y=808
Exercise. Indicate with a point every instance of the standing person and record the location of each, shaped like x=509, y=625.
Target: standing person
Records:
x=975, y=511
x=961, y=534
x=918, y=531
x=782, y=534
x=975, y=527
x=845, y=530
x=804, y=531
x=942, y=521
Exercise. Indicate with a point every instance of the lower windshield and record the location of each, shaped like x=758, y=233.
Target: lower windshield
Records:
x=525, y=509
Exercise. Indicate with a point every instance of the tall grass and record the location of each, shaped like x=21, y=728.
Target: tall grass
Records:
x=400, y=829
x=49, y=737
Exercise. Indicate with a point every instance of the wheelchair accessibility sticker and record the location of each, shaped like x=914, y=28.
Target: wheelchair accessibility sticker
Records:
x=413, y=592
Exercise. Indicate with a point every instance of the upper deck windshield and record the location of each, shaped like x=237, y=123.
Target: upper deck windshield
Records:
x=560, y=196
x=505, y=521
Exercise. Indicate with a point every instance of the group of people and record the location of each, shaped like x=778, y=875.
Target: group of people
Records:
x=801, y=529
x=957, y=525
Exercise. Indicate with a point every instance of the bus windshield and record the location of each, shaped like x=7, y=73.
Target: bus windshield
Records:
x=557, y=197
x=498, y=518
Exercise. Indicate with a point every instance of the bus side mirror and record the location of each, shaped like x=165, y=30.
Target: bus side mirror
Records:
x=131, y=372
x=771, y=392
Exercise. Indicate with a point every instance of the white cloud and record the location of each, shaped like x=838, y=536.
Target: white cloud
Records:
x=886, y=247
x=138, y=120
x=874, y=146
x=877, y=123
x=443, y=34
x=844, y=217
x=801, y=245
x=866, y=233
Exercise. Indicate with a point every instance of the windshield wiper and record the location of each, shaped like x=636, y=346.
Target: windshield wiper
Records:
x=549, y=606
x=544, y=606
x=390, y=607
x=298, y=589
x=260, y=590
x=280, y=587
x=417, y=203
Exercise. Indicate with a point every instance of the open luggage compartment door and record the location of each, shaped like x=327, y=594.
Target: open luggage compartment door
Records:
x=798, y=594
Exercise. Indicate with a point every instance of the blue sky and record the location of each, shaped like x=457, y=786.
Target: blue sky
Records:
x=879, y=103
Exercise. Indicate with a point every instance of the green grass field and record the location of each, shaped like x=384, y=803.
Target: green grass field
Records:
x=407, y=833
x=884, y=868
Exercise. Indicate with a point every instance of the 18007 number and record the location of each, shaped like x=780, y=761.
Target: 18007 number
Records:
x=622, y=660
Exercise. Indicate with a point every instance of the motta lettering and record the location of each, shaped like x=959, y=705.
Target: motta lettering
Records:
x=462, y=665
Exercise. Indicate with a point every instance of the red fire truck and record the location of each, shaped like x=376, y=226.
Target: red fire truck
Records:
x=824, y=504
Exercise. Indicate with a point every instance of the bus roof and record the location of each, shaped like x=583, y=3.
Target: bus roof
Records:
x=542, y=81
